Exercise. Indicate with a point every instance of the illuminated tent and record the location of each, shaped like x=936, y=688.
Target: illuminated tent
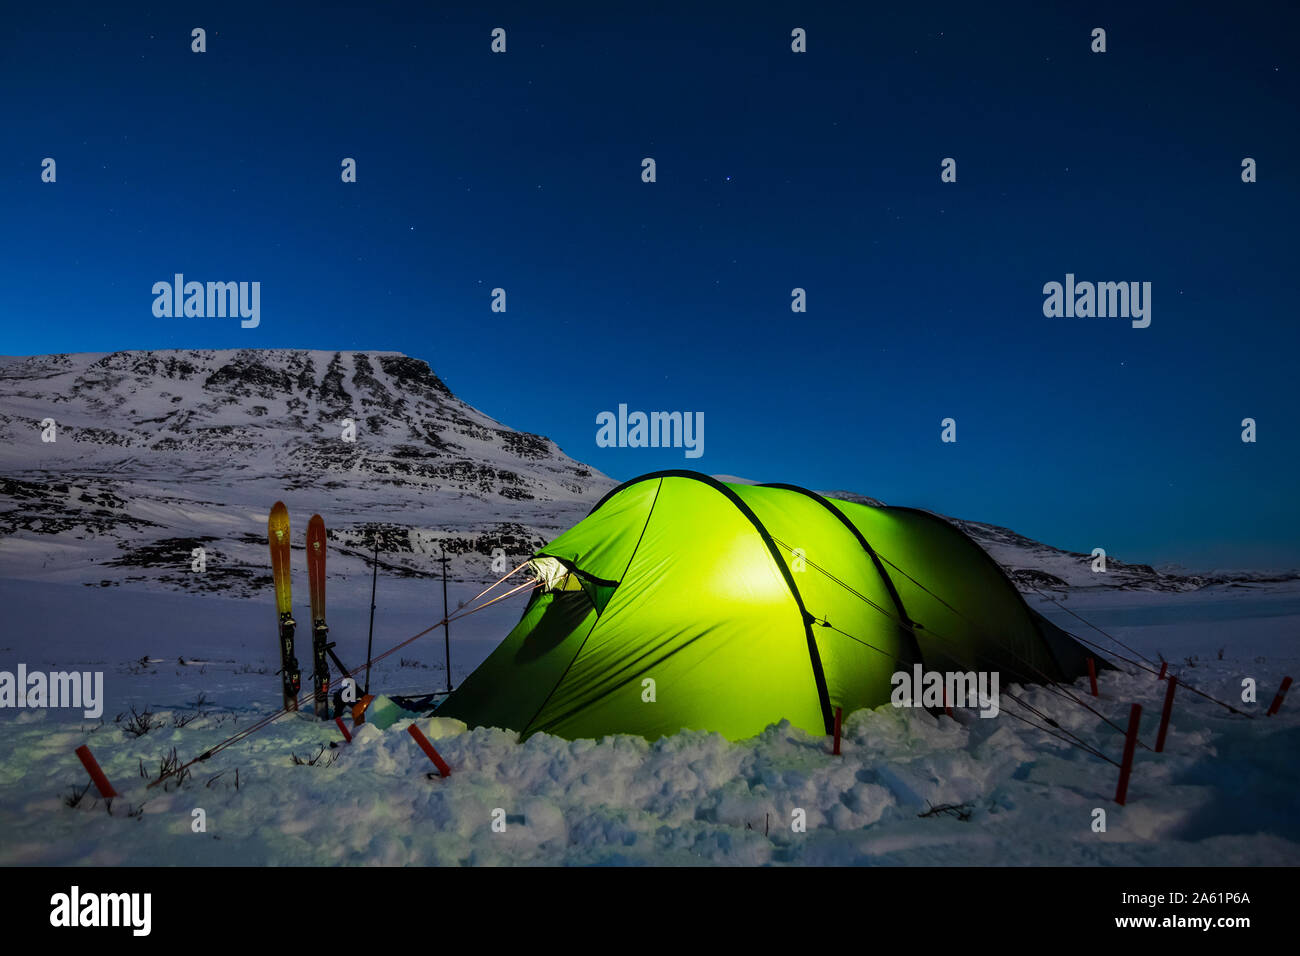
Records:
x=684, y=602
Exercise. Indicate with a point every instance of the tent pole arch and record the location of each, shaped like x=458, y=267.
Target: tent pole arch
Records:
x=906, y=624
x=814, y=655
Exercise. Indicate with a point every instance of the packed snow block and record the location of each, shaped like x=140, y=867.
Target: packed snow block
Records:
x=383, y=712
x=439, y=728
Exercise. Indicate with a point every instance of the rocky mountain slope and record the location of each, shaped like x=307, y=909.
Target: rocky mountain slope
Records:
x=115, y=467
x=1032, y=564
x=157, y=453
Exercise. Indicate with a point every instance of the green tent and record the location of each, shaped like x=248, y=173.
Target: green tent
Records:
x=734, y=606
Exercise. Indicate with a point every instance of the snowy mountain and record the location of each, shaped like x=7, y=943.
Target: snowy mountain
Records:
x=154, y=454
x=157, y=453
x=1033, y=565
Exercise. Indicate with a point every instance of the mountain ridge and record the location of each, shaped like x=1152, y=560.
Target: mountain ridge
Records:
x=158, y=452
x=154, y=450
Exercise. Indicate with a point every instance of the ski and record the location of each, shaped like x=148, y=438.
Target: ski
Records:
x=320, y=673
x=278, y=534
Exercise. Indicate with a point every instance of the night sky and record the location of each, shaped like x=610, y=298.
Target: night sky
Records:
x=775, y=170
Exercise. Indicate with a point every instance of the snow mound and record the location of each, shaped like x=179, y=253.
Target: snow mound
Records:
x=909, y=789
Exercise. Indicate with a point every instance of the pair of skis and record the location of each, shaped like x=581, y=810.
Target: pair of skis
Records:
x=291, y=678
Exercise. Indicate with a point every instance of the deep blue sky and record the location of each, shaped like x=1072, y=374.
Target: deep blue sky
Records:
x=775, y=170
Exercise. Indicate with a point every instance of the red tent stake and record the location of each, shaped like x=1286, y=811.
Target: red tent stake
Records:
x=347, y=737
x=1126, y=764
x=1164, y=665
x=839, y=713
x=427, y=747
x=1092, y=675
x=1164, y=714
x=92, y=767
x=1277, y=701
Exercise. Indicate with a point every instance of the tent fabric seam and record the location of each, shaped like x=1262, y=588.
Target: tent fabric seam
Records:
x=906, y=624
x=814, y=654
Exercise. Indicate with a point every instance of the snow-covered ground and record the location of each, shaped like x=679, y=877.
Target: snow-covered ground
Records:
x=159, y=453
x=1222, y=793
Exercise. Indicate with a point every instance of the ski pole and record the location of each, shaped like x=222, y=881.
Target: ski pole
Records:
x=446, y=625
x=370, y=640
